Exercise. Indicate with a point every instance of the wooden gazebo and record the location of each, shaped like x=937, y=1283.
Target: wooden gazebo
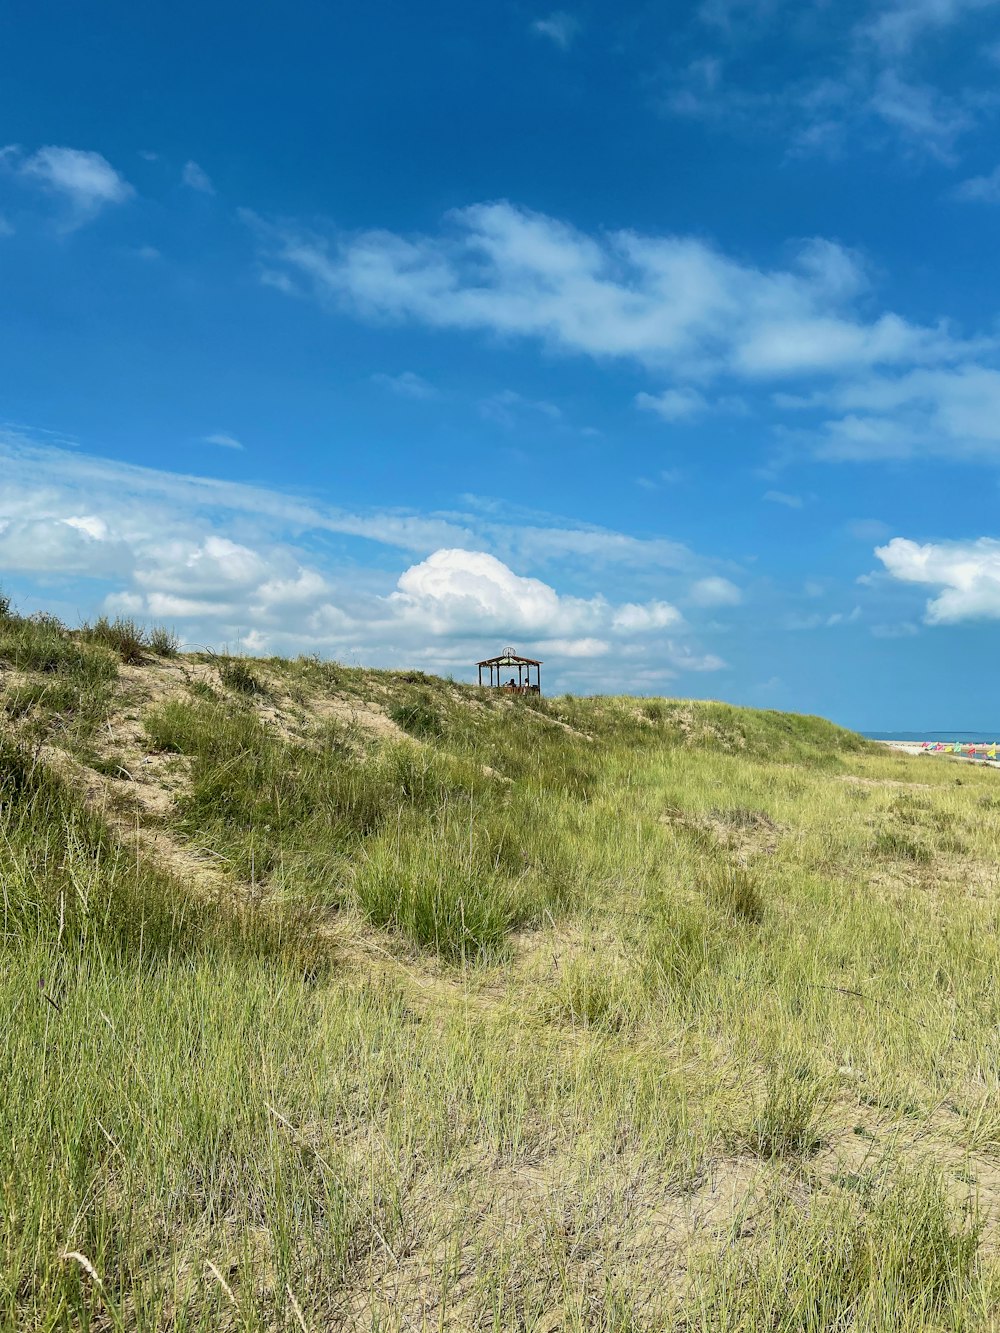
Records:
x=521, y=683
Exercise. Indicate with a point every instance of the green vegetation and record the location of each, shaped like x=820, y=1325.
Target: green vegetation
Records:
x=348, y=999
x=129, y=639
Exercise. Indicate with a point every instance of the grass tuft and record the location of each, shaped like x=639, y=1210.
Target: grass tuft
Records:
x=443, y=887
x=236, y=674
x=736, y=890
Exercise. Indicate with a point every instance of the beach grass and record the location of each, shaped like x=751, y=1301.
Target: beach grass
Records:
x=366, y=1000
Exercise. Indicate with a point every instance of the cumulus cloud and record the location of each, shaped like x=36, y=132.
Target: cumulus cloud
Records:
x=460, y=590
x=222, y=562
x=968, y=574
x=86, y=180
x=196, y=178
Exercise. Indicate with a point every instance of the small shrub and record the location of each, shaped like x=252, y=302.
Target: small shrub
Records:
x=5, y=607
x=236, y=675
x=123, y=636
x=163, y=642
x=736, y=890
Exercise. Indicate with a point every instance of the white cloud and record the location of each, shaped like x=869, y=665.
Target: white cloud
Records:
x=673, y=404
x=459, y=590
x=715, y=591
x=952, y=411
x=197, y=178
x=633, y=617
x=559, y=28
x=223, y=440
x=783, y=498
x=574, y=647
x=85, y=179
x=968, y=574
x=407, y=384
x=147, y=252
x=6, y=228
x=664, y=301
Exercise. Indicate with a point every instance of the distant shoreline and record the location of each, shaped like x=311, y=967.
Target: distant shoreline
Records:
x=933, y=737
x=922, y=748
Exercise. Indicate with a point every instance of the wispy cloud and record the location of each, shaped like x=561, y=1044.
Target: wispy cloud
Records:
x=673, y=404
x=661, y=300
x=923, y=115
x=867, y=90
x=223, y=440
x=85, y=180
x=508, y=407
x=196, y=178
x=408, y=384
x=896, y=27
x=559, y=27
x=980, y=189
x=783, y=498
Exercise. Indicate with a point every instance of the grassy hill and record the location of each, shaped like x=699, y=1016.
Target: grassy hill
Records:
x=336, y=998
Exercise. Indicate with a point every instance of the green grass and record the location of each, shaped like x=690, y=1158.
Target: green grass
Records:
x=589, y=1014
x=129, y=639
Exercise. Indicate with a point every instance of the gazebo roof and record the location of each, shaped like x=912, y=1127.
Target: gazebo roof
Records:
x=509, y=658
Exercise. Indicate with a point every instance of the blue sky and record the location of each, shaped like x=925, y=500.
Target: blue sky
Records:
x=658, y=341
